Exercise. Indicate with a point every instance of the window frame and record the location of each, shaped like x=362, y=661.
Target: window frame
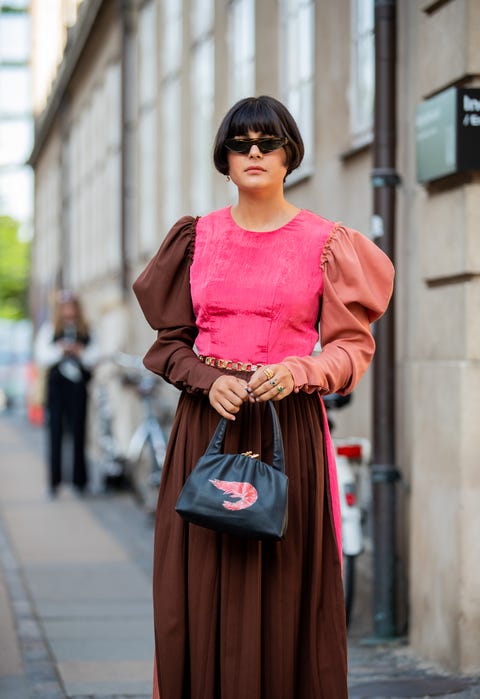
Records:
x=293, y=33
x=361, y=134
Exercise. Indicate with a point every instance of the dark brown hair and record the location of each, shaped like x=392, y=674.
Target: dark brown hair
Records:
x=263, y=114
x=64, y=296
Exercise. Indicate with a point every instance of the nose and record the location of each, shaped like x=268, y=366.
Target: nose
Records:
x=255, y=152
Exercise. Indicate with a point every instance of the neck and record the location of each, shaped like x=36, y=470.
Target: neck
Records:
x=262, y=213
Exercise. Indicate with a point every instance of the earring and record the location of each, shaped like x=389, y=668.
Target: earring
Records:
x=227, y=178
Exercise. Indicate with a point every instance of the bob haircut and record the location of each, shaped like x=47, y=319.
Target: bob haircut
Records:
x=263, y=114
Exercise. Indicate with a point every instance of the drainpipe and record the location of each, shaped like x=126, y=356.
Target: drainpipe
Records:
x=128, y=105
x=384, y=473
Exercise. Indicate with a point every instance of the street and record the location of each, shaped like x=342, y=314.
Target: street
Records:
x=75, y=596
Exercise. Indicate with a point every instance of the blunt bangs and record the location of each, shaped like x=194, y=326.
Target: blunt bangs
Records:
x=255, y=116
x=261, y=114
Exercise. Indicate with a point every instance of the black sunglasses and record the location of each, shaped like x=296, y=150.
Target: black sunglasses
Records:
x=264, y=145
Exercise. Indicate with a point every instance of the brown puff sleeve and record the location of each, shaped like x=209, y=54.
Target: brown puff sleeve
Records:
x=163, y=292
x=358, y=284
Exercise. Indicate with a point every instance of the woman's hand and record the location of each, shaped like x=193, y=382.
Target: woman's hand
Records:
x=272, y=382
x=227, y=394
x=72, y=349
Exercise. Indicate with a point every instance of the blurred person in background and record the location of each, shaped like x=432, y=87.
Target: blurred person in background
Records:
x=64, y=348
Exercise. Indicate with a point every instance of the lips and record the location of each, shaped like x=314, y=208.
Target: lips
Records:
x=255, y=168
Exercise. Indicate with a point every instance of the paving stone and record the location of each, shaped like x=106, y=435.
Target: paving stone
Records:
x=106, y=677
x=76, y=582
x=14, y=687
x=399, y=688
x=103, y=650
x=93, y=609
x=94, y=690
x=121, y=627
x=47, y=690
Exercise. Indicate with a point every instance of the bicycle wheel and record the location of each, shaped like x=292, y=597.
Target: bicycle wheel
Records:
x=348, y=584
x=146, y=470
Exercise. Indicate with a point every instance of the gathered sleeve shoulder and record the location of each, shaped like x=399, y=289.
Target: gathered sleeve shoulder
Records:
x=358, y=283
x=163, y=292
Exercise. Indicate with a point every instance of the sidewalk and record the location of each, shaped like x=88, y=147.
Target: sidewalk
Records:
x=75, y=603
x=77, y=609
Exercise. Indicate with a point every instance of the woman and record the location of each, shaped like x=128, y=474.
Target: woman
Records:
x=66, y=351
x=247, y=285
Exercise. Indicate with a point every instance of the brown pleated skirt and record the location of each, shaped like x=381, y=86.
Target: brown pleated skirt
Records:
x=236, y=618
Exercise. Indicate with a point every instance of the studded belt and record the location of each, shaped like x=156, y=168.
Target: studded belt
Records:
x=229, y=364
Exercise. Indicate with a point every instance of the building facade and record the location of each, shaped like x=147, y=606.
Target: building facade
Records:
x=123, y=148
x=16, y=122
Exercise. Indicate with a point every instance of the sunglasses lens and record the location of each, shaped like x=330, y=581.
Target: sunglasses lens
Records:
x=264, y=145
x=238, y=146
x=267, y=145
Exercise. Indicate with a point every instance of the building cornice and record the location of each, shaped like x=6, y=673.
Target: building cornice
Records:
x=77, y=38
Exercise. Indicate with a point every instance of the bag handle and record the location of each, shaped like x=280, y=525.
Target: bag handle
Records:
x=278, y=461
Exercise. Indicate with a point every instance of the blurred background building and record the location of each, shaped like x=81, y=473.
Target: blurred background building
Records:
x=16, y=198
x=16, y=121
x=127, y=97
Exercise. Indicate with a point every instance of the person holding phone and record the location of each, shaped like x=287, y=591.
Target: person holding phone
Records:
x=64, y=348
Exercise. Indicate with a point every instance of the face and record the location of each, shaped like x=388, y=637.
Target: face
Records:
x=254, y=170
x=68, y=312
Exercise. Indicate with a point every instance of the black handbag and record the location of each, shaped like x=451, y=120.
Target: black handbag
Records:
x=237, y=493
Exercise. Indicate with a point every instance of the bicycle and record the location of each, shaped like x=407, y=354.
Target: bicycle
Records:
x=351, y=456
x=139, y=464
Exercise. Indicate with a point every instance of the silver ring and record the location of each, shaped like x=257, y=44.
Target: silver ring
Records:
x=273, y=381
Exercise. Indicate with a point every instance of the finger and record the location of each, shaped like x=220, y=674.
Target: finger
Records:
x=236, y=397
x=276, y=393
x=225, y=385
x=228, y=400
x=239, y=388
x=262, y=390
x=239, y=391
x=221, y=411
x=264, y=384
x=224, y=404
x=281, y=395
x=261, y=375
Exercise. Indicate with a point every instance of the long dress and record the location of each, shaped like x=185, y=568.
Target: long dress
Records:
x=236, y=618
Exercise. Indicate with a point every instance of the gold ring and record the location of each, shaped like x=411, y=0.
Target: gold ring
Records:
x=268, y=372
x=273, y=382
x=280, y=388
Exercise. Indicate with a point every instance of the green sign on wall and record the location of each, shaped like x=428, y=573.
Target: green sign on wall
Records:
x=448, y=133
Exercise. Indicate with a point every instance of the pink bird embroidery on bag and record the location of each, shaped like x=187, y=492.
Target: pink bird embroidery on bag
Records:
x=245, y=491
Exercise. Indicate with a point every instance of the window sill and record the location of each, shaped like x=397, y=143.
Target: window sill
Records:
x=358, y=147
x=298, y=176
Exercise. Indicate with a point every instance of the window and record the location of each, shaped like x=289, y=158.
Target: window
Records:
x=203, y=93
x=91, y=183
x=202, y=15
x=171, y=111
x=111, y=183
x=171, y=150
x=172, y=37
x=241, y=41
x=297, y=62
x=16, y=192
x=362, y=80
x=15, y=91
x=147, y=127
x=14, y=38
x=16, y=139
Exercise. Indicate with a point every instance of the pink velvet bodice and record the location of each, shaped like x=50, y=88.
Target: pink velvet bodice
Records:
x=256, y=295
x=255, y=298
